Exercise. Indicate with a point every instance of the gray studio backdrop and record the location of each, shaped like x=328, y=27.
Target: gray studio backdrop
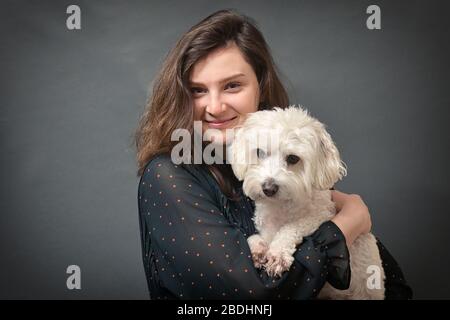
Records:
x=70, y=101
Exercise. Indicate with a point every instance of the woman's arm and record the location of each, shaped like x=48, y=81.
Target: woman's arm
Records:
x=353, y=219
x=198, y=253
x=397, y=288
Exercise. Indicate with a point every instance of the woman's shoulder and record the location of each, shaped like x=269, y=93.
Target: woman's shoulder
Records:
x=161, y=160
x=162, y=168
x=181, y=181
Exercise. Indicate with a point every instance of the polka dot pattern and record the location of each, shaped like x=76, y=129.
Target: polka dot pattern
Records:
x=194, y=242
x=396, y=286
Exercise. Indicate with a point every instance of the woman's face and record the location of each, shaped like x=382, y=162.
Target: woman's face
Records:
x=225, y=89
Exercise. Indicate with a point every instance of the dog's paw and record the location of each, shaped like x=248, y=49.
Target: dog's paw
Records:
x=277, y=262
x=258, y=248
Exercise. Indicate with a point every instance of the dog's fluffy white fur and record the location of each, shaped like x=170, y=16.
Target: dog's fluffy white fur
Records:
x=288, y=162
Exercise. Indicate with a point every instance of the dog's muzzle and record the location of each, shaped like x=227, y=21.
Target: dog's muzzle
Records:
x=269, y=187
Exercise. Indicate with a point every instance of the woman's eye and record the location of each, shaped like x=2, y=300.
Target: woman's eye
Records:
x=260, y=153
x=292, y=159
x=197, y=90
x=233, y=85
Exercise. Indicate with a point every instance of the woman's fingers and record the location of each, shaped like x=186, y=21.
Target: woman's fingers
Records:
x=338, y=198
x=353, y=207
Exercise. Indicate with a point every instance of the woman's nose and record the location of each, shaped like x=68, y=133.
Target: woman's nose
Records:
x=215, y=105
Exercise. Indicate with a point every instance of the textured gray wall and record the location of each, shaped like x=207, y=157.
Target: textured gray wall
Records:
x=70, y=101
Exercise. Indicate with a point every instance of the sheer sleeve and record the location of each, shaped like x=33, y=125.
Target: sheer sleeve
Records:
x=395, y=284
x=192, y=251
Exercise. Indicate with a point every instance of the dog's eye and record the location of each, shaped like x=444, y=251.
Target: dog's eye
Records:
x=260, y=153
x=292, y=159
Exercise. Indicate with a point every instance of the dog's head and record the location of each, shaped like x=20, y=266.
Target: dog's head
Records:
x=284, y=153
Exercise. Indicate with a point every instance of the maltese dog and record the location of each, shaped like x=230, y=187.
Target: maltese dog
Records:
x=288, y=163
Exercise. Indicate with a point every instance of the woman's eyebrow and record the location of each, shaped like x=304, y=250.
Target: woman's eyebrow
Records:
x=221, y=81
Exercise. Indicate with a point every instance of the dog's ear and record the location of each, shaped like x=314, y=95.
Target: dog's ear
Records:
x=239, y=153
x=329, y=166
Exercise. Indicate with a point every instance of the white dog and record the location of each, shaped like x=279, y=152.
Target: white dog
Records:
x=289, y=162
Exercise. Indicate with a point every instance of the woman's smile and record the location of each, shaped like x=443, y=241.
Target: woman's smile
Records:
x=221, y=123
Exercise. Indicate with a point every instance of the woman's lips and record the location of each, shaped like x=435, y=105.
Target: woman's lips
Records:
x=220, y=124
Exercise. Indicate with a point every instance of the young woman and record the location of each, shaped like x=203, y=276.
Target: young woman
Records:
x=194, y=218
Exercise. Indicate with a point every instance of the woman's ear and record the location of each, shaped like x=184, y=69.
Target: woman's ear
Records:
x=239, y=153
x=329, y=167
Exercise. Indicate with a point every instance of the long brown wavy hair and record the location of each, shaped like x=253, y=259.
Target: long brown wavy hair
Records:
x=170, y=105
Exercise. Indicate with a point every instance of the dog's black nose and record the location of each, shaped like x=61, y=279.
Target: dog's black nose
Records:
x=269, y=187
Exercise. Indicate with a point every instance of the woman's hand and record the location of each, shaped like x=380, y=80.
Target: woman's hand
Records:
x=353, y=217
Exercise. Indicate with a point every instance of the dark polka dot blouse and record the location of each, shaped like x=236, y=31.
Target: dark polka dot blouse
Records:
x=194, y=243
